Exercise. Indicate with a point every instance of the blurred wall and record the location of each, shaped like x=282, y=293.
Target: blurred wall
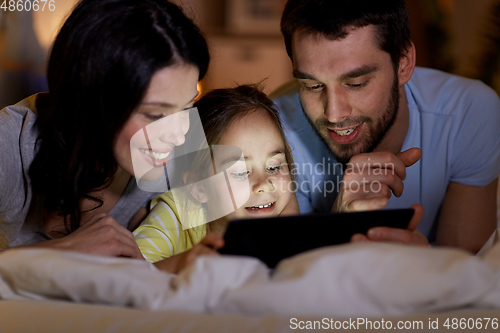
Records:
x=25, y=39
x=447, y=34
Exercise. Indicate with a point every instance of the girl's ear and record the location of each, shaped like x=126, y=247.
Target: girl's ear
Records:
x=197, y=190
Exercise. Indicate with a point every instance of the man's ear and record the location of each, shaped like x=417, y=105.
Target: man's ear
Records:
x=197, y=190
x=406, y=65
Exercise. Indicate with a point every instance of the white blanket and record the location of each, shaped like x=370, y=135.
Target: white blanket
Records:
x=362, y=279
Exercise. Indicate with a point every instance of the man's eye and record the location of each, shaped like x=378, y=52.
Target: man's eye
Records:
x=357, y=85
x=315, y=87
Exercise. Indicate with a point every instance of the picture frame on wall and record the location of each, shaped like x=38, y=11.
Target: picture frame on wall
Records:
x=254, y=16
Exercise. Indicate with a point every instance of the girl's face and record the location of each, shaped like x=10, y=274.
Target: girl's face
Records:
x=172, y=89
x=265, y=166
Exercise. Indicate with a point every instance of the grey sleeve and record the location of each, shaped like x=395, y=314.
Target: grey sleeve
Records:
x=14, y=202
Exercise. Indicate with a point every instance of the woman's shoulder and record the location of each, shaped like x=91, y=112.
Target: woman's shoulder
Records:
x=29, y=105
x=19, y=119
x=18, y=134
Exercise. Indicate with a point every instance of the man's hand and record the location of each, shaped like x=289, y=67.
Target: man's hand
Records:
x=393, y=235
x=206, y=247
x=370, y=179
x=100, y=235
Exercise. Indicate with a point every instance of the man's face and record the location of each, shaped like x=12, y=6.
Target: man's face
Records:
x=348, y=89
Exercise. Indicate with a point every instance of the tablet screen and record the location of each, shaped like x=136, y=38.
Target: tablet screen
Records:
x=274, y=239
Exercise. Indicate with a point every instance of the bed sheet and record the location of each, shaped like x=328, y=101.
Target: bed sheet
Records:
x=361, y=279
x=63, y=317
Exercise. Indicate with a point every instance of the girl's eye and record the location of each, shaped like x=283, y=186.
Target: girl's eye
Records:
x=274, y=169
x=240, y=175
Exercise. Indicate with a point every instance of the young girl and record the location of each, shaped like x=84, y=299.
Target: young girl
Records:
x=246, y=118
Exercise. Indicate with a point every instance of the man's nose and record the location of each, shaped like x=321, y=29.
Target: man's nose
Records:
x=337, y=106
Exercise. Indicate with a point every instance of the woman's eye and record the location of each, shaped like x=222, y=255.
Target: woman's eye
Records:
x=240, y=175
x=274, y=169
x=154, y=117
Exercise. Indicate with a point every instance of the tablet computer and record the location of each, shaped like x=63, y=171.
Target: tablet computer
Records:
x=277, y=238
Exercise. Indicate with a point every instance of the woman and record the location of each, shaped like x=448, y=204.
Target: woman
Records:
x=66, y=174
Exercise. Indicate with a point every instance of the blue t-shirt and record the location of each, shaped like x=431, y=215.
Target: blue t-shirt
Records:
x=453, y=120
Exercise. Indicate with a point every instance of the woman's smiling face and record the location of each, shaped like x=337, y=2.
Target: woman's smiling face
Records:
x=157, y=125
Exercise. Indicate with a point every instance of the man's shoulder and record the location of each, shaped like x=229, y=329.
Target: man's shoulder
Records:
x=437, y=92
x=287, y=101
x=428, y=78
x=286, y=98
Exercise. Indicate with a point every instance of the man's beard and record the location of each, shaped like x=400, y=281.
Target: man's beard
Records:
x=378, y=130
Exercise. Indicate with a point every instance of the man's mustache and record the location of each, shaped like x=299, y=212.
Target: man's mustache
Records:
x=323, y=122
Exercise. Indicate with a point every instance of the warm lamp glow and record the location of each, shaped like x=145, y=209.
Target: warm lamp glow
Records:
x=199, y=87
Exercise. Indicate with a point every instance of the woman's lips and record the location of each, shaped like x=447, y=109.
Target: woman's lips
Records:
x=155, y=158
x=347, y=135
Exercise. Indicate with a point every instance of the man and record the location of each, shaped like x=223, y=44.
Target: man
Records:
x=360, y=105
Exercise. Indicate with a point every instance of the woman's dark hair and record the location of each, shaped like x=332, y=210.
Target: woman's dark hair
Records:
x=333, y=18
x=99, y=70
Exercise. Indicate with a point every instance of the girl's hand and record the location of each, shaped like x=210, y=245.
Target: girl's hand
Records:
x=178, y=262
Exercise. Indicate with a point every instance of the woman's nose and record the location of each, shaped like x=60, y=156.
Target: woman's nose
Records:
x=176, y=127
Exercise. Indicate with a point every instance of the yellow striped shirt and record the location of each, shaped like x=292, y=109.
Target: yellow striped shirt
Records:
x=161, y=235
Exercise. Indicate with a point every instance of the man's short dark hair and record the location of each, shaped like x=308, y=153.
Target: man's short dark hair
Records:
x=333, y=18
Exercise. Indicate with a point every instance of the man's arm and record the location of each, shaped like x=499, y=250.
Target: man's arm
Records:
x=468, y=216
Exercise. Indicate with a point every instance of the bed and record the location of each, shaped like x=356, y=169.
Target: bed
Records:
x=61, y=317
x=355, y=285
x=341, y=285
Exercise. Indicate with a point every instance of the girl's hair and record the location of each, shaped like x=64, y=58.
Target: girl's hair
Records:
x=99, y=70
x=219, y=108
